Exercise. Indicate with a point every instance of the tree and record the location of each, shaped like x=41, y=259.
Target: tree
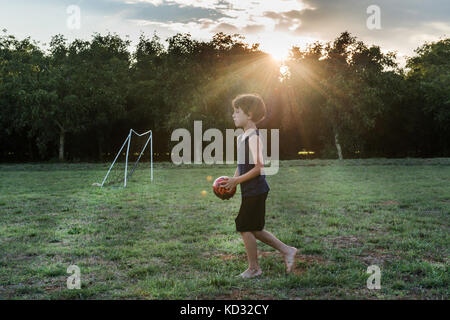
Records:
x=104, y=83
x=83, y=86
x=21, y=90
x=341, y=84
x=429, y=77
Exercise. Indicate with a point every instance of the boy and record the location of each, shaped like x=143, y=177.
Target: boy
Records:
x=249, y=109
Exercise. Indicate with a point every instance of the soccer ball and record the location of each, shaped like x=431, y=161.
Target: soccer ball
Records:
x=220, y=191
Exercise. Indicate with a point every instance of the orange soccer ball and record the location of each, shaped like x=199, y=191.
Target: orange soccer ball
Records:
x=220, y=191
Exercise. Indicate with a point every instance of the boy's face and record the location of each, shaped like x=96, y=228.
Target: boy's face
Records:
x=240, y=118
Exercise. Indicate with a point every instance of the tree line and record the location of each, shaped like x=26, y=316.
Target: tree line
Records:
x=341, y=99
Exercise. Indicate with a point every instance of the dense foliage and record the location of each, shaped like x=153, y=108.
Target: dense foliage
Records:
x=341, y=99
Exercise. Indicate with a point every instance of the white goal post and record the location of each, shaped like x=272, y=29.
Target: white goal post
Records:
x=127, y=142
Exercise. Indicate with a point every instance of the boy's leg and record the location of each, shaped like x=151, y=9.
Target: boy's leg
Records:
x=271, y=240
x=288, y=252
x=252, y=255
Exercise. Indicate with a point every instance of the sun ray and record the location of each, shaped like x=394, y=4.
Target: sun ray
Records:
x=243, y=69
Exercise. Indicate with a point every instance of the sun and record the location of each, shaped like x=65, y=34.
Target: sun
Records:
x=277, y=44
x=279, y=54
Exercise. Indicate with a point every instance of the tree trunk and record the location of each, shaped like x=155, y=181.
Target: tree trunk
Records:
x=338, y=146
x=61, y=145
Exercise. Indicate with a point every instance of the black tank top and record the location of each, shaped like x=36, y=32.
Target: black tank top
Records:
x=256, y=185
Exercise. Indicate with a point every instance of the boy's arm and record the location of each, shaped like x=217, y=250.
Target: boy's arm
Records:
x=254, y=172
x=255, y=146
x=236, y=173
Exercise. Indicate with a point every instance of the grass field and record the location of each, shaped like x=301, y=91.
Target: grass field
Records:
x=165, y=240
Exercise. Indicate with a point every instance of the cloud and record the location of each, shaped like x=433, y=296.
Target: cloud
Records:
x=405, y=24
x=177, y=13
x=225, y=27
x=244, y=15
x=253, y=28
x=202, y=19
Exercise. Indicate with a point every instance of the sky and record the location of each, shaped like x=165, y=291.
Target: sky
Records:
x=394, y=25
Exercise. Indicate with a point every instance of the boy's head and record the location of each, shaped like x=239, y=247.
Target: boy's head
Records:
x=248, y=107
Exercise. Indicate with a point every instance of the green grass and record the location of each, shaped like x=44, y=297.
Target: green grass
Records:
x=165, y=240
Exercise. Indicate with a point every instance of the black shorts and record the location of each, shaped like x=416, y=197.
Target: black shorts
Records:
x=252, y=213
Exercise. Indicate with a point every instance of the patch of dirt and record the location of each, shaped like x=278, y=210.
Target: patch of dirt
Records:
x=53, y=287
x=310, y=259
x=378, y=257
x=261, y=254
x=95, y=260
x=303, y=261
x=227, y=257
x=437, y=262
x=344, y=242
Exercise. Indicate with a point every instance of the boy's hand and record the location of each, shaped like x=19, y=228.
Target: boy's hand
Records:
x=230, y=183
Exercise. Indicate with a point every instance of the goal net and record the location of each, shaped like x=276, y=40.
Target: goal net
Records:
x=133, y=162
